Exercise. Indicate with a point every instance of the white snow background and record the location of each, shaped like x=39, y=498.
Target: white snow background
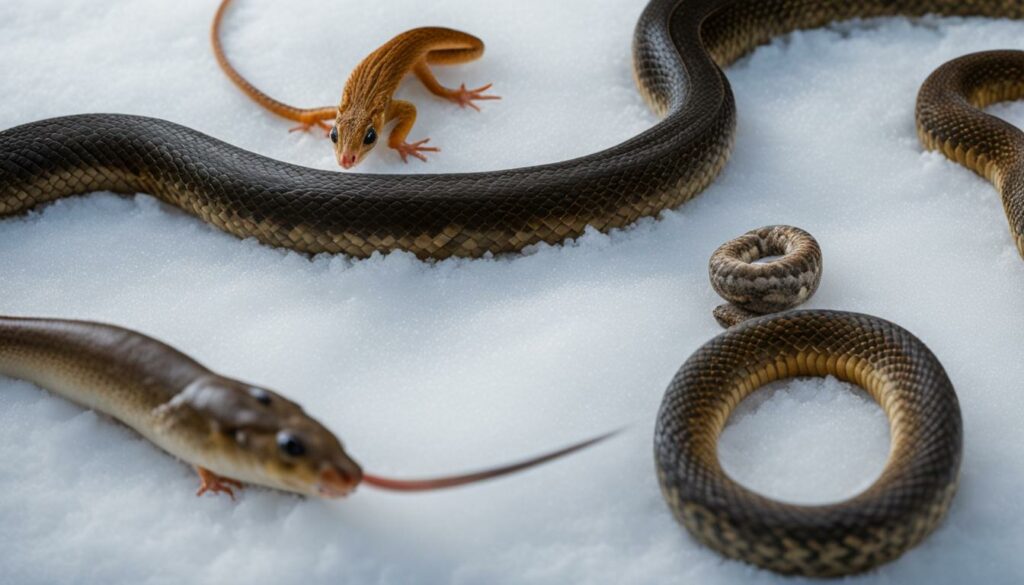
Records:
x=431, y=368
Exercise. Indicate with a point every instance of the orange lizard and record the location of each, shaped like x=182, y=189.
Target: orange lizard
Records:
x=367, y=103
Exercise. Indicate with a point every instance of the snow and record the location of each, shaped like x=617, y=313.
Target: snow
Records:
x=425, y=369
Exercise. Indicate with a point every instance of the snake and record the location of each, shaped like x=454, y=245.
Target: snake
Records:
x=680, y=48
x=767, y=341
x=895, y=513
x=769, y=287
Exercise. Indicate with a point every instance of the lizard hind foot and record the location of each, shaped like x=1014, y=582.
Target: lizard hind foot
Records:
x=405, y=150
x=464, y=97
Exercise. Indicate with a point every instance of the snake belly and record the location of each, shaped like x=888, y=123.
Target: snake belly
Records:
x=904, y=504
x=678, y=51
x=950, y=119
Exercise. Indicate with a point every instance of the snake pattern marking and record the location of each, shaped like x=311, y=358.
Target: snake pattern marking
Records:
x=759, y=288
x=679, y=49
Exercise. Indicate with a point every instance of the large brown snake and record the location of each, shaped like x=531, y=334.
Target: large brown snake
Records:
x=679, y=49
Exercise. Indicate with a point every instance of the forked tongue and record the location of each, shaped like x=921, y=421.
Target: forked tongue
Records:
x=421, y=485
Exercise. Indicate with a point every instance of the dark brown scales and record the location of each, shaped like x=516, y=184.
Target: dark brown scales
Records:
x=902, y=507
x=437, y=216
x=679, y=47
x=950, y=120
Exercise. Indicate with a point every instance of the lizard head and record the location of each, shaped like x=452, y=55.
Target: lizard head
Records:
x=354, y=134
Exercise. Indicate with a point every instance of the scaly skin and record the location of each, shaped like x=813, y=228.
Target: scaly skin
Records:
x=466, y=214
x=679, y=49
x=900, y=509
x=758, y=288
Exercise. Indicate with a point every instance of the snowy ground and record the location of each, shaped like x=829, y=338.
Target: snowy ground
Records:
x=425, y=369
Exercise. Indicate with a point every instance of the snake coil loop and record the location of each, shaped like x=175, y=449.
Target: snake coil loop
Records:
x=758, y=288
x=902, y=507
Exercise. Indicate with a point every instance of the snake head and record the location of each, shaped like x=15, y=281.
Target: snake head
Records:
x=355, y=133
x=258, y=436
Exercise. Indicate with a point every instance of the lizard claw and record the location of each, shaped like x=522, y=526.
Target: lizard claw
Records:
x=307, y=126
x=464, y=97
x=211, y=482
x=406, y=149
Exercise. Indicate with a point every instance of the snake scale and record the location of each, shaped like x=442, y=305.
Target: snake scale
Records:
x=680, y=48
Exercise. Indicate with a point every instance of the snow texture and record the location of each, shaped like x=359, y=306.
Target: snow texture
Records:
x=431, y=368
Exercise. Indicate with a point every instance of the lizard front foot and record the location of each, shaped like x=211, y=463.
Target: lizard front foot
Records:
x=464, y=97
x=415, y=149
x=211, y=482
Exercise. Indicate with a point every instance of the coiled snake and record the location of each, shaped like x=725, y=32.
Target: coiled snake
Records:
x=917, y=486
x=679, y=48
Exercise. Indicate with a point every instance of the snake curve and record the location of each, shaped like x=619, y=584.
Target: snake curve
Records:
x=765, y=343
x=895, y=513
x=679, y=49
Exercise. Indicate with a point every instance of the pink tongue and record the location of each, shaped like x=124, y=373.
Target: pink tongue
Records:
x=419, y=485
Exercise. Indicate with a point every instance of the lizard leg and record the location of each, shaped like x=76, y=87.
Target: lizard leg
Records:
x=404, y=114
x=307, y=126
x=312, y=117
x=462, y=96
x=211, y=482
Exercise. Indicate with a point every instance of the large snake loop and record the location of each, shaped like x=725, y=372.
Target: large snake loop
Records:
x=899, y=509
x=679, y=49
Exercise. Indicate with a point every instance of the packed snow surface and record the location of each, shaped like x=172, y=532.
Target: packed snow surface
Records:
x=429, y=368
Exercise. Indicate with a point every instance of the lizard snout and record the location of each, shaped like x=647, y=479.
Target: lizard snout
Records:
x=347, y=160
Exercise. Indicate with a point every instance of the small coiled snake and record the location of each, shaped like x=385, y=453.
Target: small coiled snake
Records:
x=679, y=49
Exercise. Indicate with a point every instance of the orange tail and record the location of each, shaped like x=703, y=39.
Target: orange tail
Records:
x=419, y=485
x=307, y=116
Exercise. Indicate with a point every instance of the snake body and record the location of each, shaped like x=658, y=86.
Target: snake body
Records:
x=876, y=526
x=895, y=368
x=950, y=120
x=680, y=48
x=759, y=288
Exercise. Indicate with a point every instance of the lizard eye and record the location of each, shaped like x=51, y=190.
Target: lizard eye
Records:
x=371, y=136
x=290, y=445
x=334, y=134
x=260, y=395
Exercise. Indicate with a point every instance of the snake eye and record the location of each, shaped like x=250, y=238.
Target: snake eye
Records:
x=290, y=445
x=371, y=136
x=334, y=134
